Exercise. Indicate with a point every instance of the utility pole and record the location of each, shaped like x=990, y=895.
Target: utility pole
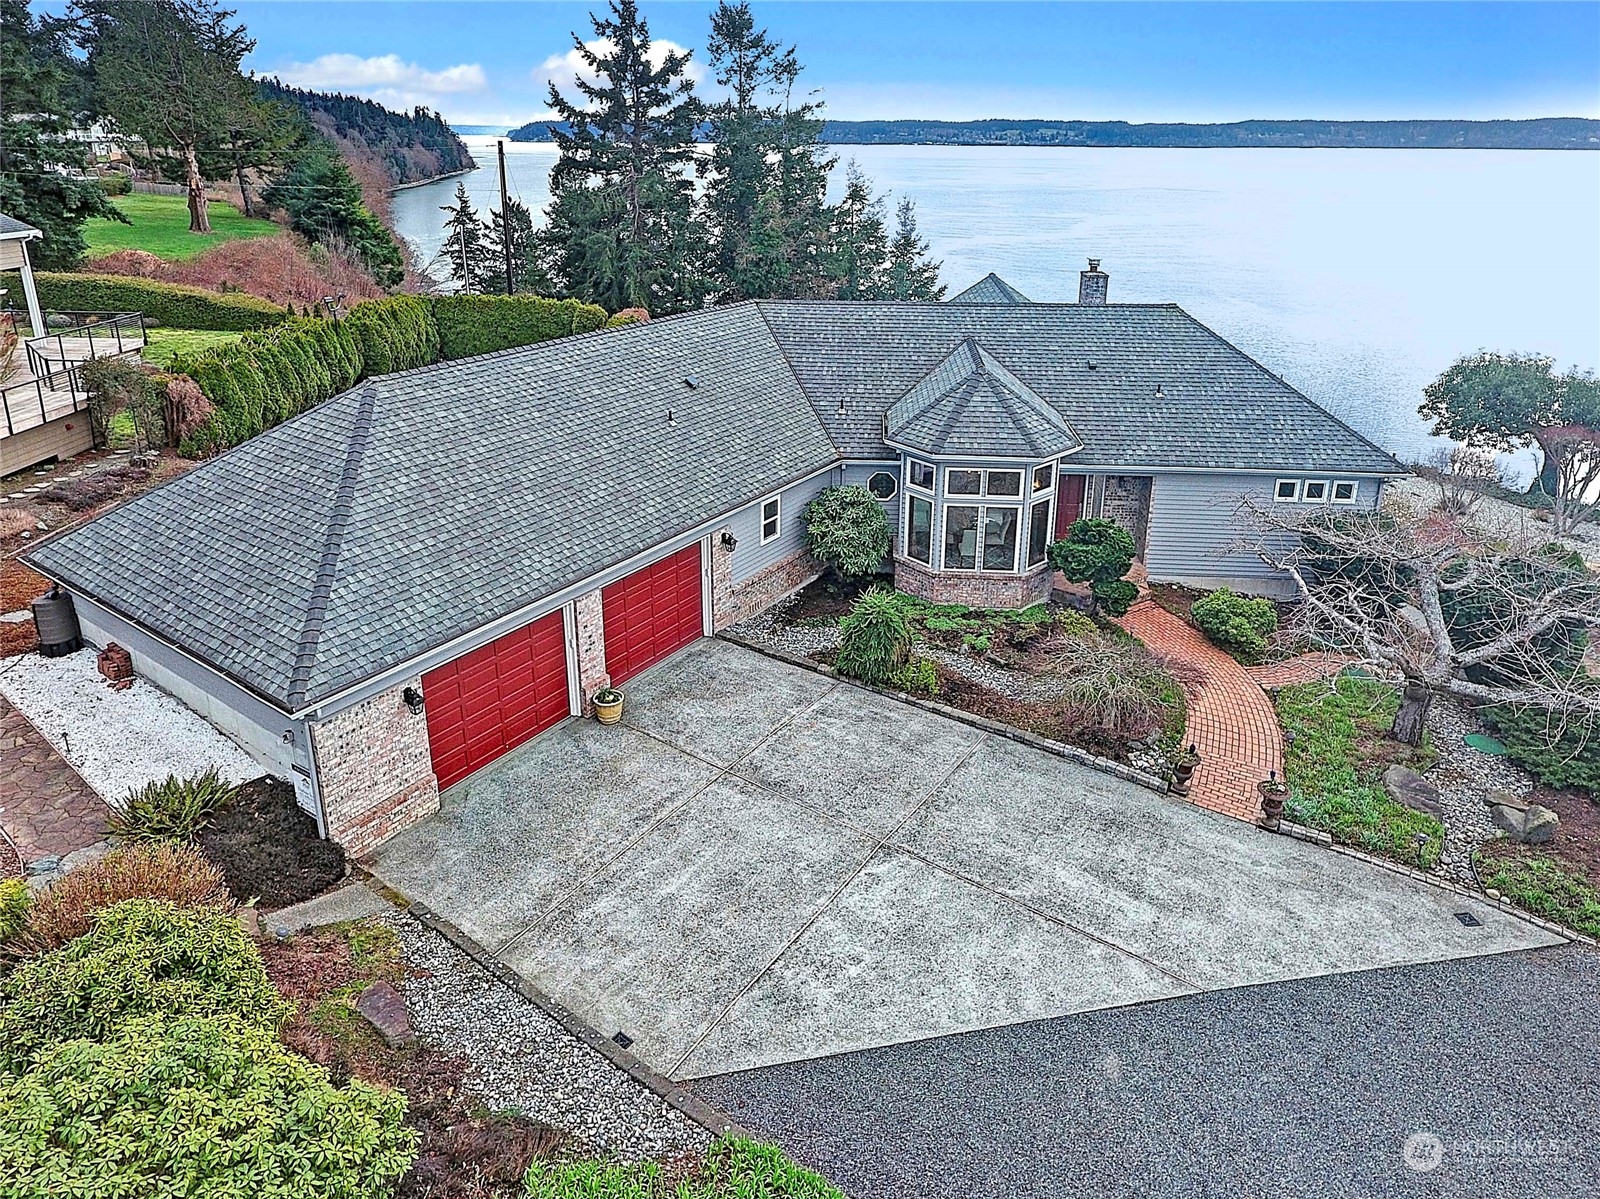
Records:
x=505, y=220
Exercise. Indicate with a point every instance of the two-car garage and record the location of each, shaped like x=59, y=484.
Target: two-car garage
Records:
x=494, y=698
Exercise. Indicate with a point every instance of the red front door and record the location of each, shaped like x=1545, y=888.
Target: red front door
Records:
x=653, y=612
x=493, y=699
x=1069, y=502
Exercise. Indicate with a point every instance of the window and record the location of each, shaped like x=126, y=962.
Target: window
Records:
x=1000, y=538
x=963, y=482
x=1287, y=491
x=960, y=537
x=1043, y=476
x=1004, y=482
x=921, y=475
x=1344, y=491
x=883, y=485
x=1315, y=491
x=770, y=523
x=919, y=529
x=1039, y=532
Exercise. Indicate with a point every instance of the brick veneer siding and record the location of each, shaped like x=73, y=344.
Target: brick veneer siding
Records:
x=374, y=771
x=973, y=590
x=732, y=602
x=589, y=619
x=1127, y=502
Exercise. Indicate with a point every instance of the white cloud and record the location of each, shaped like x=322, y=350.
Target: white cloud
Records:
x=386, y=78
x=562, y=69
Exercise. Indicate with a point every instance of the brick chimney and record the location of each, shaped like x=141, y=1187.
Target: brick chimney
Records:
x=1092, y=284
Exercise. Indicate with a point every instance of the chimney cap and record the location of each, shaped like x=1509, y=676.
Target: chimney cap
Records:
x=1094, y=264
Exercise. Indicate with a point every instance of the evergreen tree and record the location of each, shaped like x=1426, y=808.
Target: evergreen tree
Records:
x=527, y=271
x=858, y=242
x=911, y=274
x=464, y=250
x=622, y=230
x=324, y=204
x=40, y=167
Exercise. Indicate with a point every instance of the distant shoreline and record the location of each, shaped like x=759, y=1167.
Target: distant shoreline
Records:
x=401, y=187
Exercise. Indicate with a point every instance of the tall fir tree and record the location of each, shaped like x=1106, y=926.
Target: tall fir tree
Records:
x=515, y=225
x=42, y=170
x=464, y=251
x=912, y=274
x=622, y=229
x=857, y=252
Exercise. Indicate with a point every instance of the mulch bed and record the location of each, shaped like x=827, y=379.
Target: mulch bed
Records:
x=825, y=598
x=19, y=587
x=267, y=846
x=1577, y=842
x=465, y=1153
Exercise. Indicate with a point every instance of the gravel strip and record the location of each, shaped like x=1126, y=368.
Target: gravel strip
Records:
x=771, y=630
x=1464, y=776
x=523, y=1060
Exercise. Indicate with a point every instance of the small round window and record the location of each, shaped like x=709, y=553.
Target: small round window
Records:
x=883, y=485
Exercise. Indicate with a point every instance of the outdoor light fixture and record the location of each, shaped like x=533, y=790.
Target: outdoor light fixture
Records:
x=413, y=699
x=729, y=541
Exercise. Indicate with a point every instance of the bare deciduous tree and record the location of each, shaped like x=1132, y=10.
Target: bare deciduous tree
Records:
x=1462, y=476
x=1432, y=600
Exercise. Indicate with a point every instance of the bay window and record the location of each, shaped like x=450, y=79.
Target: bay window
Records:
x=919, y=529
x=960, y=537
x=1039, y=533
x=1000, y=538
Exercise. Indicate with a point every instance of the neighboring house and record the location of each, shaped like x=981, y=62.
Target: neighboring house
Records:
x=389, y=591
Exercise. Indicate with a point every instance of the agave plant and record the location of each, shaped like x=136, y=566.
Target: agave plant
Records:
x=174, y=809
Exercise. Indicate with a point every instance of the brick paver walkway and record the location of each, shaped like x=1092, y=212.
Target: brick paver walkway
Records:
x=45, y=808
x=1305, y=668
x=1231, y=719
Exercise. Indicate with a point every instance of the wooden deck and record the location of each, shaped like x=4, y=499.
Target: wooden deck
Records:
x=42, y=402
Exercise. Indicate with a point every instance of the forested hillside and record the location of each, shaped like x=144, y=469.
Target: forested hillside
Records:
x=410, y=147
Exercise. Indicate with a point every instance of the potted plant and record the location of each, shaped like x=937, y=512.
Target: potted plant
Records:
x=1183, y=769
x=1273, y=794
x=608, y=705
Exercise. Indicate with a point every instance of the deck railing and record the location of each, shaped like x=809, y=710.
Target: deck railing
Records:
x=19, y=400
x=87, y=335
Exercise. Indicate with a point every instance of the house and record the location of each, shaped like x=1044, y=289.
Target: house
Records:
x=386, y=593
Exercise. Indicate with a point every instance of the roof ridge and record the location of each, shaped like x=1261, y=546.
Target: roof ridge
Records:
x=306, y=645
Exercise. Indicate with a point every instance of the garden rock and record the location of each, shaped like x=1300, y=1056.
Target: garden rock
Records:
x=86, y=855
x=1532, y=825
x=1506, y=799
x=1405, y=786
x=383, y=1008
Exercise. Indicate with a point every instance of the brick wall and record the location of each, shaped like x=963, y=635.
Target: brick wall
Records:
x=374, y=770
x=591, y=635
x=974, y=590
x=1127, y=502
x=731, y=602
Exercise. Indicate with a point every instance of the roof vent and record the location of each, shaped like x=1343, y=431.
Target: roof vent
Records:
x=1092, y=364
x=691, y=381
x=671, y=420
x=1159, y=393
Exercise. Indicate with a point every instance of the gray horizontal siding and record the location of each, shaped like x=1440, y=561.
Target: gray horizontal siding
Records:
x=752, y=557
x=1195, y=537
x=255, y=727
x=856, y=474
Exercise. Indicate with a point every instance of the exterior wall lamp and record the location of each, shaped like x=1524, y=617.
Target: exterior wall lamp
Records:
x=413, y=699
x=729, y=541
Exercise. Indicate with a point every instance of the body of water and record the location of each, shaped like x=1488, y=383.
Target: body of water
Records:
x=1358, y=275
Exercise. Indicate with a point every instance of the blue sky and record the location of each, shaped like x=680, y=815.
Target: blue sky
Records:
x=485, y=63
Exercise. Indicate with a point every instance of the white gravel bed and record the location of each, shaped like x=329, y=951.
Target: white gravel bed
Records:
x=523, y=1060
x=770, y=629
x=1464, y=776
x=117, y=740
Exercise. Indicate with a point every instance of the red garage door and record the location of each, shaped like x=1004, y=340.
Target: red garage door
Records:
x=652, y=613
x=495, y=698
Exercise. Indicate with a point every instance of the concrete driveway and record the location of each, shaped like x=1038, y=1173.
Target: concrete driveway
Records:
x=761, y=865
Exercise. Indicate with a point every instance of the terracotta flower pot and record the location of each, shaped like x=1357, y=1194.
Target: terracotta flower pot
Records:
x=608, y=710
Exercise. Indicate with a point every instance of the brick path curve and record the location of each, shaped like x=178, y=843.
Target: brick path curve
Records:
x=1231, y=719
x=45, y=807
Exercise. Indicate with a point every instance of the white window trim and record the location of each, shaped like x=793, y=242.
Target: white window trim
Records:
x=1050, y=484
x=1024, y=481
x=973, y=497
x=1305, y=488
x=1049, y=500
x=883, y=499
x=1277, y=487
x=911, y=465
x=1355, y=491
x=777, y=519
x=933, y=514
x=1019, y=547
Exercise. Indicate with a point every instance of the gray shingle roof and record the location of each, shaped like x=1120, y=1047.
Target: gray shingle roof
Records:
x=393, y=519
x=10, y=226
x=969, y=404
x=484, y=485
x=1097, y=365
x=991, y=289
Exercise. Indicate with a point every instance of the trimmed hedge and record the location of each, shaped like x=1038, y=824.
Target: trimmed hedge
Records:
x=1238, y=623
x=173, y=304
x=397, y=334
x=471, y=325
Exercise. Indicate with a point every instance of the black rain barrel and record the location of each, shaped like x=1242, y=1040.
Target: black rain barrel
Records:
x=57, y=623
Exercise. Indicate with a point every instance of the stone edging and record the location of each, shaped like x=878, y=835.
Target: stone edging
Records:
x=1070, y=752
x=713, y=1119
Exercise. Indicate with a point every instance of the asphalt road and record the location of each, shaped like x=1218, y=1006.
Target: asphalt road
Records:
x=1306, y=1088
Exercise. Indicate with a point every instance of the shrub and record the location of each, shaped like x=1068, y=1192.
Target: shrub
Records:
x=732, y=1167
x=1559, y=751
x=188, y=410
x=173, y=809
x=629, y=316
x=847, y=530
x=173, y=304
x=117, y=385
x=1114, y=688
x=1332, y=787
x=197, y=1106
x=175, y=873
x=482, y=324
x=917, y=677
x=1100, y=553
x=1239, y=624
x=142, y=957
x=874, y=638
x=397, y=334
x=115, y=184
x=15, y=899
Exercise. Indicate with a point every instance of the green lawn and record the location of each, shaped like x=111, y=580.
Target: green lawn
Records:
x=161, y=227
x=163, y=345
x=1543, y=885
